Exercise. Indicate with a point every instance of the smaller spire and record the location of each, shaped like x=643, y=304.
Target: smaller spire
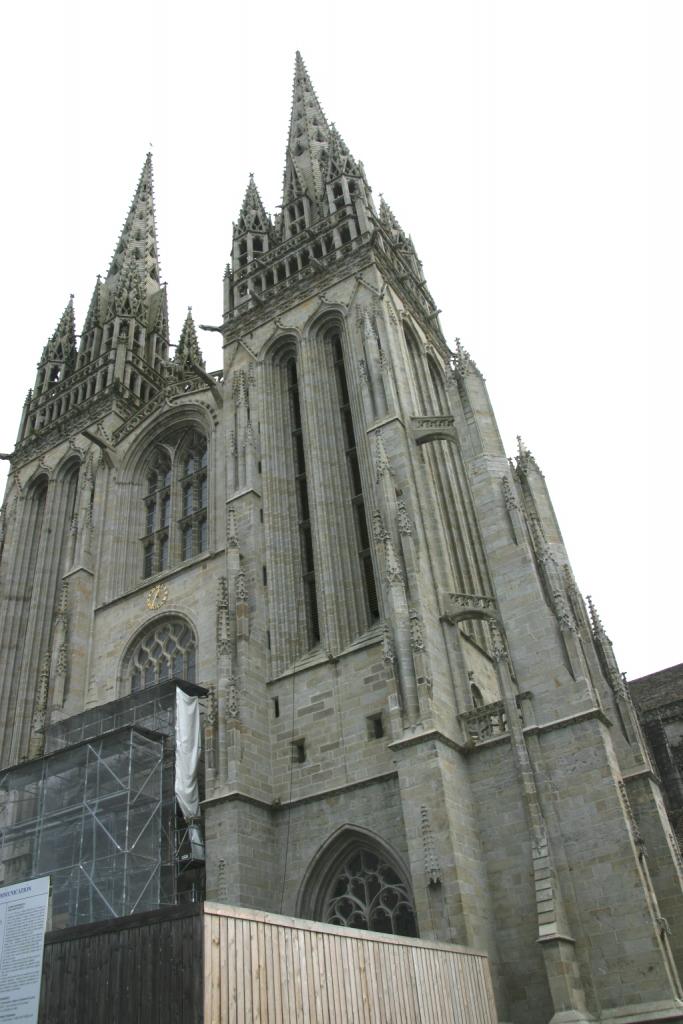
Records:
x=596, y=622
x=93, y=317
x=60, y=351
x=525, y=460
x=463, y=361
x=389, y=222
x=188, y=353
x=339, y=159
x=253, y=216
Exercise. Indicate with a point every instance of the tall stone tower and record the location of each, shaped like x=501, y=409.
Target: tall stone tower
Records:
x=414, y=724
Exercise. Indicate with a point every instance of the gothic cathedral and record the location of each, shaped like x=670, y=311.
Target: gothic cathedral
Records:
x=411, y=721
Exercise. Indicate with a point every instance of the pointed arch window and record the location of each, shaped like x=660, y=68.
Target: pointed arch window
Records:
x=176, y=492
x=194, y=491
x=157, y=515
x=168, y=650
x=360, y=886
x=303, y=507
x=354, y=483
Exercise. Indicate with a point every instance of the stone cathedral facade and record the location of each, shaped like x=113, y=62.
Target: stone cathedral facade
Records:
x=414, y=723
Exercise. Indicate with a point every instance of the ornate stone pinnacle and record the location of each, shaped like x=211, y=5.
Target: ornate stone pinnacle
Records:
x=509, y=498
x=394, y=573
x=596, y=623
x=498, y=648
x=405, y=526
x=382, y=464
x=231, y=528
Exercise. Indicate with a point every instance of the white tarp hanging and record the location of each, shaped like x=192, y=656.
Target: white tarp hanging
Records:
x=187, y=749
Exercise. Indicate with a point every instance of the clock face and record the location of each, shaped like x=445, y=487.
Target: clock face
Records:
x=157, y=596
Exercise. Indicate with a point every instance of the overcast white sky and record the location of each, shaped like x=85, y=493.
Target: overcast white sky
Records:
x=533, y=148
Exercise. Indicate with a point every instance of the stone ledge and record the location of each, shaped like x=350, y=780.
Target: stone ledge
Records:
x=669, y=1009
x=323, y=794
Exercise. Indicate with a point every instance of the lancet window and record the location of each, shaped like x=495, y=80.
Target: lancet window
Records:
x=166, y=651
x=354, y=483
x=303, y=507
x=194, y=487
x=157, y=516
x=175, y=504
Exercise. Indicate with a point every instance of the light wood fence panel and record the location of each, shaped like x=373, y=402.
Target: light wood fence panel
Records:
x=269, y=969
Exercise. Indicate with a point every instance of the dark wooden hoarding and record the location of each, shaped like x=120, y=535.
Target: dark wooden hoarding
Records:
x=143, y=969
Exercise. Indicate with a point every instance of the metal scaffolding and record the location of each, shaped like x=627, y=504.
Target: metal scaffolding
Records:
x=98, y=813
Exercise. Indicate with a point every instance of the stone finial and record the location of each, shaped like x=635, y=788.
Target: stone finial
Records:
x=462, y=361
x=231, y=528
x=241, y=586
x=511, y=503
x=498, y=647
x=388, y=652
x=222, y=619
x=432, y=867
x=405, y=525
x=596, y=622
x=382, y=464
x=417, y=640
x=378, y=529
x=394, y=573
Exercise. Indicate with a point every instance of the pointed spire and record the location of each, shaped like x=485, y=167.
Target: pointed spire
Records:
x=93, y=317
x=389, y=222
x=188, y=353
x=253, y=216
x=309, y=135
x=138, y=242
x=339, y=159
x=463, y=361
x=525, y=459
x=59, y=355
x=596, y=622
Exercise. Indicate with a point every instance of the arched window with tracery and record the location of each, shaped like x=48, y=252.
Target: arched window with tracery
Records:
x=302, y=506
x=157, y=515
x=367, y=892
x=360, y=886
x=175, y=500
x=167, y=650
x=194, y=493
x=354, y=486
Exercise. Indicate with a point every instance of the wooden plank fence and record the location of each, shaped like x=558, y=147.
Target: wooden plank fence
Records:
x=213, y=964
x=282, y=970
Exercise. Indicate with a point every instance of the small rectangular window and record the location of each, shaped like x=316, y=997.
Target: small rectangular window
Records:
x=299, y=751
x=375, y=727
x=276, y=707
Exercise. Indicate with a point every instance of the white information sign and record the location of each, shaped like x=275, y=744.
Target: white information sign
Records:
x=23, y=913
